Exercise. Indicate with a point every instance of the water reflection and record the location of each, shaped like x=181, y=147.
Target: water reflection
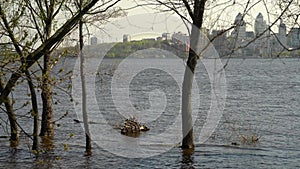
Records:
x=46, y=158
x=187, y=161
x=47, y=143
x=248, y=109
x=87, y=163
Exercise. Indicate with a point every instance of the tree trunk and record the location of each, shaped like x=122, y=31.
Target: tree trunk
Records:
x=88, y=145
x=187, y=119
x=35, y=112
x=47, y=126
x=14, y=137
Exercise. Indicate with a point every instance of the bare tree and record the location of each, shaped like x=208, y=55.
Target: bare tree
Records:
x=92, y=18
x=196, y=13
x=88, y=144
x=192, y=12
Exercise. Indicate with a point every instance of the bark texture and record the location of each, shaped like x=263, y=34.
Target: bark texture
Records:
x=187, y=120
x=14, y=136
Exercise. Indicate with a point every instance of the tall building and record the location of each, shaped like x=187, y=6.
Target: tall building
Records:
x=249, y=50
x=238, y=35
x=259, y=25
x=262, y=44
x=240, y=26
x=294, y=38
x=282, y=34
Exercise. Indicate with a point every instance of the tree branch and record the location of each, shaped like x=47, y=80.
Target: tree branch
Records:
x=48, y=44
x=187, y=6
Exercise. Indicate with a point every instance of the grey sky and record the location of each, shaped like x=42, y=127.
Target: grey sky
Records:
x=149, y=23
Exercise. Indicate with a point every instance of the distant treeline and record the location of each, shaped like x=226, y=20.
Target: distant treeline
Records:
x=125, y=49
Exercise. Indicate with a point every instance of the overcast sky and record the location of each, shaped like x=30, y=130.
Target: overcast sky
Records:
x=144, y=22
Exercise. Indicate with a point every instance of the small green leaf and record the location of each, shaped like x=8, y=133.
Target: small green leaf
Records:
x=66, y=147
x=35, y=152
x=72, y=135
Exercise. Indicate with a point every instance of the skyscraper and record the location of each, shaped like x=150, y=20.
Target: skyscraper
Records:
x=239, y=33
x=259, y=25
x=240, y=28
x=262, y=44
x=294, y=38
x=282, y=33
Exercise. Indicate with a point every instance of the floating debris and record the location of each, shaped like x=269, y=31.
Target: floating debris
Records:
x=132, y=127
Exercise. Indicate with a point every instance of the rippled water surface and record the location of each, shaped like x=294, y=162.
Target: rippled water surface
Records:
x=262, y=101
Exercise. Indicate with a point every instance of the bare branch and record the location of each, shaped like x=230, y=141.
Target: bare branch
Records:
x=187, y=6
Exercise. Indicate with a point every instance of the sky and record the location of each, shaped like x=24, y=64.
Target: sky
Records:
x=143, y=22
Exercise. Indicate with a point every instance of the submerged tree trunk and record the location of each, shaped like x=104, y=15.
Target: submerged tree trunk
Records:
x=187, y=120
x=35, y=112
x=47, y=126
x=14, y=137
x=88, y=145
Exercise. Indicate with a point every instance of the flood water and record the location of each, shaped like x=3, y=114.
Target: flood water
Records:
x=262, y=100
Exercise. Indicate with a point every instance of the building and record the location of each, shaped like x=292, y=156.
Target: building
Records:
x=181, y=40
x=220, y=42
x=259, y=42
x=250, y=47
x=238, y=35
x=126, y=38
x=240, y=28
x=94, y=41
x=279, y=40
x=282, y=33
x=262, y=43
x=294, y=38
x=259, y=25
x=166, y=36
x=6, y=47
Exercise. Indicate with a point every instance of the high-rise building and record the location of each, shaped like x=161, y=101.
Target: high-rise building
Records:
x=282, y=34
x=259, y=25
x=250, y=48
x=240, y=27
x=238, y=35
x=294, y=38
x=262, y=44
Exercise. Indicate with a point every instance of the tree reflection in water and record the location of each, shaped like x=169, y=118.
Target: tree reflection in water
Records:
x=187, y=161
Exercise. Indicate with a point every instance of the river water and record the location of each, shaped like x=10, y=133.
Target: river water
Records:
x=262, y=100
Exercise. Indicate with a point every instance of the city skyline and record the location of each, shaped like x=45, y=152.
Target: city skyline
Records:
x=157, y=24
x=267, y=43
